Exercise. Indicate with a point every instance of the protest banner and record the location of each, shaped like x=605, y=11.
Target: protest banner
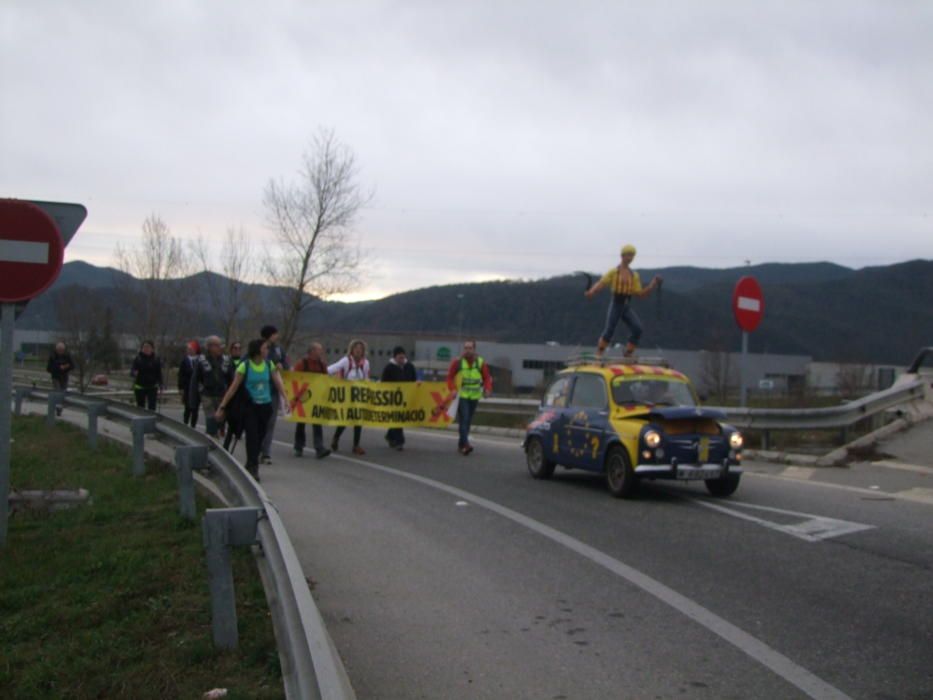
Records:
x=326, y=400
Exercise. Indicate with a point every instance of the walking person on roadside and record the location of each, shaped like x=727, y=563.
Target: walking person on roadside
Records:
x=315, y=362
x=475, y=383
x=213, y=374
x=185, y=372
x=146, y=372
x=399, y=369
x=277, y=357
x=258, y=375
x=58, y=367
x=233, y=422
x=353, y=367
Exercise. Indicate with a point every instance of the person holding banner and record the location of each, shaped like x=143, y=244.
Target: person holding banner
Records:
x=352, y=367
x=399, y=369
x=314, y=362
x=475, y=384
x=258, y=375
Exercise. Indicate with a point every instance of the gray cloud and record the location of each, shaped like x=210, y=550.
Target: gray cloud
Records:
x=502, y=139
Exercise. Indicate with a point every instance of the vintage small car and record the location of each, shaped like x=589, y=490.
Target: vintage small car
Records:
x=632, y=421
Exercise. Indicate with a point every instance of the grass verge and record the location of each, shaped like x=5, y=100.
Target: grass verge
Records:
x=111, y=599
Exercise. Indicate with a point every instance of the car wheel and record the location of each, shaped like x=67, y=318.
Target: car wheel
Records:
x=620, y=477
x=725, y=486
x=539, y=466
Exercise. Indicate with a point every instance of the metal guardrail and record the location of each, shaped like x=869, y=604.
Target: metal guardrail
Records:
x=311, y=666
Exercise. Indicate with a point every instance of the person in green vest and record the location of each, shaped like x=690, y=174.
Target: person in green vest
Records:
x=474, y=383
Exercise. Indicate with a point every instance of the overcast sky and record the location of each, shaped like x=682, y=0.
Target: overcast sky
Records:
x=500, y=139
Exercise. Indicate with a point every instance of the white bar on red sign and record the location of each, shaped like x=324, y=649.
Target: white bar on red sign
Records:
x=24, y=252
x=749, y=304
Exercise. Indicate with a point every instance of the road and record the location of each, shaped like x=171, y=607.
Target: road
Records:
x=448, y=577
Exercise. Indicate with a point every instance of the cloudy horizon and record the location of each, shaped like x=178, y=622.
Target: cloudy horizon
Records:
x=500, y=140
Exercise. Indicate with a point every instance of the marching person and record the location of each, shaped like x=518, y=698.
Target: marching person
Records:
x=475, y=384
x=353, y=367
x=213, y=374
x=399, y=369
x=146, y=372
x=315, y=362
x=58, y=367
x=625, y=284
x=185, y=371
x=277, y=357
x=236, y=352
x=233, y=425
x=258, y=375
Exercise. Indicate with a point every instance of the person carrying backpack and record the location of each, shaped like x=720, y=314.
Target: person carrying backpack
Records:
x=257, y=375
x=212, y=375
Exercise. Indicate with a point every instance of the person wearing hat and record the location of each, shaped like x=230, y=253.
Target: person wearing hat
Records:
x=399, y=369
x=625, y=284
x=278, y=360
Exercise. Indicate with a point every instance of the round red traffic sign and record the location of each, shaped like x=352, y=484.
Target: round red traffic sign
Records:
x=31, y=250
x=748, y=303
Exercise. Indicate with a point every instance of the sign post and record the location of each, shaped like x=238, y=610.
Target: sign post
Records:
x=31, y=254
x=748, y=305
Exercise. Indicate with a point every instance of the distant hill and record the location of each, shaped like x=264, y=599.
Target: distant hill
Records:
x=876, y=314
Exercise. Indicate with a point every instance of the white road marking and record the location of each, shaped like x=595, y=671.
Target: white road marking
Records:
x=796, y=675
x=917, y=494
x=749, y=304
x=812, y=528
x=903, y=466
x=24, y=252
x=802, y=473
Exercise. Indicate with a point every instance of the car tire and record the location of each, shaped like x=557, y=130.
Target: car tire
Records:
x=539, y=466
x=725, y=486
x=620, y=477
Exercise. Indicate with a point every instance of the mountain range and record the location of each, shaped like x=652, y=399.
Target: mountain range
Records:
x=875, y=314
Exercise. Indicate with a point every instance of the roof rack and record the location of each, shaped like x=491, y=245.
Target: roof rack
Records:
x=588, y=358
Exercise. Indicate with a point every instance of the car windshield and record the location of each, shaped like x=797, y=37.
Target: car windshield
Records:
x=652, y=391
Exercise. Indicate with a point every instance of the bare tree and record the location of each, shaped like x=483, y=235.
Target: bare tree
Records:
x=230, y=294
x=312, y=220
x=156, y=304
x=853, y=380
x=83, y=319
x=716, y=374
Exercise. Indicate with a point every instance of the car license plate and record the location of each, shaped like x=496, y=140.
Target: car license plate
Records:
x=687, y=473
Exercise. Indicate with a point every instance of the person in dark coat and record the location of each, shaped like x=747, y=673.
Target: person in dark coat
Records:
x=399, y=369
x=213, y=374
x=185, y=372
x=146, y=372
x=316, y=362
x=59, y=366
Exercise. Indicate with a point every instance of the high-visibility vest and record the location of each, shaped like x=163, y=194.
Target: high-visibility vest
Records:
x=471, y=379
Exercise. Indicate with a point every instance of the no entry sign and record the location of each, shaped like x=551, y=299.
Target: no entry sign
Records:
x=31, y=250
x=748, y=304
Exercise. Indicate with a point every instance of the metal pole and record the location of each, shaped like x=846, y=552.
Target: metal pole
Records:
x=7, y=316
x=743, y=391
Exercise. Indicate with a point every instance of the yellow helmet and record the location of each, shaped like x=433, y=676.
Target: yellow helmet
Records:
x=628, y=249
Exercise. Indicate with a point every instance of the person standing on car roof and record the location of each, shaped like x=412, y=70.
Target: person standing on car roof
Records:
x=277, y=357
x=399, y=369
x=185, y=371
x=146, y=372
x=625, y=284
x=213, y=373
x=314, y=362
x=475, y=384
x=58, y=367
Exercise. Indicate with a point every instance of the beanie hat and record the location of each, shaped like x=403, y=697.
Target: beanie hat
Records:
x=268, y=331
x=398, y=350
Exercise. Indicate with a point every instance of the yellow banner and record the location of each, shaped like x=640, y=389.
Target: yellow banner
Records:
x=326, y=400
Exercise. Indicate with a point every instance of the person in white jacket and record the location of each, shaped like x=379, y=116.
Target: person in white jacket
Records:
x=353, y=367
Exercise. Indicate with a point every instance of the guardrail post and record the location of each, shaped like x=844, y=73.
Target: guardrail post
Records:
x=94, y=411
x=19, y=394
x=139, y=427
x=225, y=528
x=766, y=439
x=187, y=459
x=56, y=399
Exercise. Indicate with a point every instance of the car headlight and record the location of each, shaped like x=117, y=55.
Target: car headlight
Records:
x=736, y=441
x=652, y=438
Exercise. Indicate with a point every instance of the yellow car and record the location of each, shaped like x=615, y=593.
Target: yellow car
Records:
x=632, y=421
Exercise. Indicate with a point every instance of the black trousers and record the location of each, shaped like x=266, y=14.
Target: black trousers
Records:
x=357, y=434
x=255, y=420
x=146, y=398
x=395, y=437
x=191, y=415
x=301, y=436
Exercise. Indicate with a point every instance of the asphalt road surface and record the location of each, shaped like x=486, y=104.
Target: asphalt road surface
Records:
x=442, y=576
